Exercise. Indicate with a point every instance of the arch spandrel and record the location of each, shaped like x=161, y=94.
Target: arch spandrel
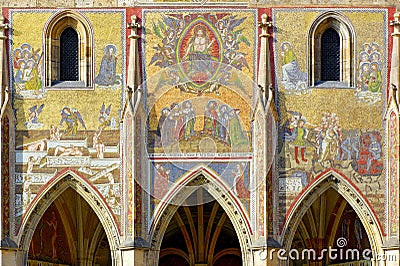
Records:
x=343, y=186
x=208, y=180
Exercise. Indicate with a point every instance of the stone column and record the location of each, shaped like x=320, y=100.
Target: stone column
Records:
x=134, y=248
x=133, y=62
x=3, y=59
x=262, y=244
x=133, y=84
x=264, y=70
x=134, y=251
x=265, y=252
x=8, y=248
x=391, y=245
x=395, y=69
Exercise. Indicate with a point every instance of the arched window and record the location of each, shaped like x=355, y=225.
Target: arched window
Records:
x=69, y=63
x=330, y=56
x=331, y=61
x=68, y=53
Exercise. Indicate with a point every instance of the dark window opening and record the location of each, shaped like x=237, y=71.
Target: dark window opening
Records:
x=330, y=56
x=69, y=70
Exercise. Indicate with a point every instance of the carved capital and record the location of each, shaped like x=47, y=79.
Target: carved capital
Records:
x=3, y=27
x=395, y=22
x=264, y=24
x=134, y=26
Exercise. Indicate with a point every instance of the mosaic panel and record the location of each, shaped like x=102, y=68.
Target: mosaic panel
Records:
x=66, y=128
x=199, y=79
x=234, y=175
x=370, y=70
x=199, y=125
x=338, y=128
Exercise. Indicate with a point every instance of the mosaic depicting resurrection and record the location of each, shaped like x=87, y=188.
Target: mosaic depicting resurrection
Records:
x=79, y=131
x=213, y=127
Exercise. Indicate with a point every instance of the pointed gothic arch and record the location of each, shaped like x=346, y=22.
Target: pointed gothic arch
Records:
x=65, y=179
x=353, y=196
x=209, y=180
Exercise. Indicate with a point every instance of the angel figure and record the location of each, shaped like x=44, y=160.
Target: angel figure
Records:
x=33, y=117
x=168, y=29
x=104, y=116
x=34, y=112
x=72, y=118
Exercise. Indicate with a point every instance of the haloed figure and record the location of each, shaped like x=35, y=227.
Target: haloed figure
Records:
x=107, y=73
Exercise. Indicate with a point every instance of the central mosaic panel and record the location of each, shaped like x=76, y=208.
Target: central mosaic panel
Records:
x=199, y=80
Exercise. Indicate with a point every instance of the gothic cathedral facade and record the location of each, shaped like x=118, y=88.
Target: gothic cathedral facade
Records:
x=199, y=132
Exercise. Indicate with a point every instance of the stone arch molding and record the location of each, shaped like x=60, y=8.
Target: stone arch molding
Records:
x=55, y=187
x=346, y=31
x=345, y=188
x=51, y=39
x=189, y=183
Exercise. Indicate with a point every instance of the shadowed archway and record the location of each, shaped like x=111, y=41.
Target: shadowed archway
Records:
x=328, y=209
x=200, y=233
x=65, y=187
x=177, y=201
x=62, y=234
